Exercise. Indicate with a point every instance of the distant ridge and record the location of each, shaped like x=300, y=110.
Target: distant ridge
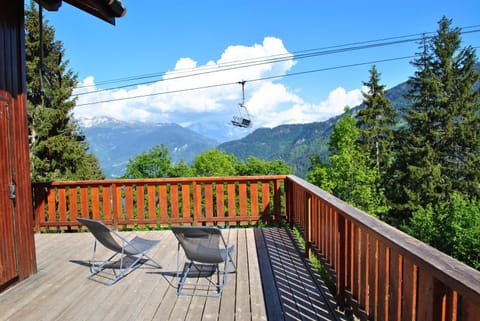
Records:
x=114, y=142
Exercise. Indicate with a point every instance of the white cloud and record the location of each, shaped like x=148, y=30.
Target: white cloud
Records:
x=168, y=100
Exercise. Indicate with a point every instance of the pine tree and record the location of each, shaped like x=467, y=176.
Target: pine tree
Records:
x=58, y=150
x=376, y=123
x=438, y=149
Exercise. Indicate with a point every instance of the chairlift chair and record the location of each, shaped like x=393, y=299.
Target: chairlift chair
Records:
x=243, y=119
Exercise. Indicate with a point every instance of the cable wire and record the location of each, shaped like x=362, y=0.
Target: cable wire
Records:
x=251, y=80
x=309, y=53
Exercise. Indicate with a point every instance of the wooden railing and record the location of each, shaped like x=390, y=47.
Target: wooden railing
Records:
x=380, y=272
x=159, y=202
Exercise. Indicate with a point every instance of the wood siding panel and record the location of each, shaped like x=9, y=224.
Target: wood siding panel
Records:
x=8, y=257
x=12, y=88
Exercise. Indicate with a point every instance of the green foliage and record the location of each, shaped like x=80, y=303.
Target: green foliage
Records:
x=215, y=162
x=349, y=175
x=255, y=167
x=157, y=163
x=152, y=164
x=319, y=174
x=181, y=169
x=58, y=150
x=452, y=226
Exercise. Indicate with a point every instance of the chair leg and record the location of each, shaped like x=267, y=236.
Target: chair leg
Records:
x=124, y=269
x=183, y=278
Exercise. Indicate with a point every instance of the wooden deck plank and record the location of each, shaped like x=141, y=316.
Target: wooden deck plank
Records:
x=228, y=300
x=273, y=305
x=55, y=276
x=243, y=286
x=129, y=306
x=268, y=272
x=257, y=300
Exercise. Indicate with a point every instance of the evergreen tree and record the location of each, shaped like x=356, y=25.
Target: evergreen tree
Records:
x=58, y=150
x=376, y=123
x=438, y=149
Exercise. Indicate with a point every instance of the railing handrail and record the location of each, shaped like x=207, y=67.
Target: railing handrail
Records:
x=133, y=181
x=445, y=268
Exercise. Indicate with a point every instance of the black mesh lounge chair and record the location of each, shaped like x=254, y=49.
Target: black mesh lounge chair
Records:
x=205, y=249
x=131, y=253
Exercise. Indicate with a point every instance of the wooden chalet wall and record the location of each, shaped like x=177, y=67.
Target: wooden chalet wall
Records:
x=17, y=245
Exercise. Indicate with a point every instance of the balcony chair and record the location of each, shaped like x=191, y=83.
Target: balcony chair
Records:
x=205, y=249
x=132, y=253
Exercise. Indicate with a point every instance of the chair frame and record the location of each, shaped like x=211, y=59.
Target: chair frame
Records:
x=197, y=263
x=135, y=249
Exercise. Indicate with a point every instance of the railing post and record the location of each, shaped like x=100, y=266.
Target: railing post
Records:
x=308, y=225
x=341, y=261
x=289, y=202
x=39, y=204
x=197, y=202
x=277, y=200
x=114, y=206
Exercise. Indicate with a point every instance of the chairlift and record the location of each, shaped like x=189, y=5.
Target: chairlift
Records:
x=243, y=117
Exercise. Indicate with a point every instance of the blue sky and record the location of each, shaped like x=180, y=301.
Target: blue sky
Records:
x=172, y=36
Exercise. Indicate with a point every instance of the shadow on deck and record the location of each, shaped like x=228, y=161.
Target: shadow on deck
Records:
x=293, y=291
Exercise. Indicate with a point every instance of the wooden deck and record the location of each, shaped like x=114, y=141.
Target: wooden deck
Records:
x=272, y=282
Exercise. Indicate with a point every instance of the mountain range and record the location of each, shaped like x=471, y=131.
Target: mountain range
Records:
x=114, y=142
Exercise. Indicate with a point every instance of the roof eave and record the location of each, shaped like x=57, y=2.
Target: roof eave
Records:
x=106, y=10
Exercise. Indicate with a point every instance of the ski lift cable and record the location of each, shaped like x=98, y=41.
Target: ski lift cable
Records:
x=251, y=80
x=248, y=63
x=244, y=64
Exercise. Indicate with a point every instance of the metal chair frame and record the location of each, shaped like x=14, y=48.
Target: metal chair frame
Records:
x=210, y=256
x=129, y=250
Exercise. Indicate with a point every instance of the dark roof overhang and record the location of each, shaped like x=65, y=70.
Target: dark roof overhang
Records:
x=106, y=10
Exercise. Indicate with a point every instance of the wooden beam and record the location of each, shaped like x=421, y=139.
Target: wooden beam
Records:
x=50, y=5
x=103, y=9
